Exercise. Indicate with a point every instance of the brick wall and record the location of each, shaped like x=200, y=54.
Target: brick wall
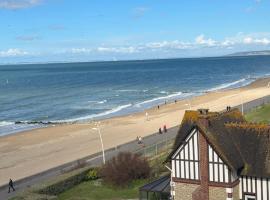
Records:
x=217, y=193
x=202, y=193
x=236, y=192
x=183, y=191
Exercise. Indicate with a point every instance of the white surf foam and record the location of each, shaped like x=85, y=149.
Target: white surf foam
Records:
x=163, y=92
x=102, y=102
x=239, y=83
x=93, y=116
x=6, y=123
x=168, y=97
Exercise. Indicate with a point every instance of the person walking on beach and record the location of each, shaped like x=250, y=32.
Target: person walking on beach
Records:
x=159, y=131
x=10, y=185
x=139, y=140
x=165, y=128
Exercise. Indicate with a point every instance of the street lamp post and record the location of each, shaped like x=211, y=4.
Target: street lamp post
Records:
x=101, y=141
x=242, y=105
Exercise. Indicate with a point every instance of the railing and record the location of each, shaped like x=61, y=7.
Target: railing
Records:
x=156, y=149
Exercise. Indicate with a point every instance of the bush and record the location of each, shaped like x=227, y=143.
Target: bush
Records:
x=92, y=175
x=67, y=183
x=125, y=168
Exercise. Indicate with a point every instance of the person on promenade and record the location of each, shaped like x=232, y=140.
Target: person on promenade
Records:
x=147, y=117
x=139, y=140
x=10, y=185
x=165, y=128
x=159, y=131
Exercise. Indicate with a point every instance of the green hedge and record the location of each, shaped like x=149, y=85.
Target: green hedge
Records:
x=50, y=189
x=66, y=184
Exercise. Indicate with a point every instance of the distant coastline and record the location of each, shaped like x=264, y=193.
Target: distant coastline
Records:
x=251, y=53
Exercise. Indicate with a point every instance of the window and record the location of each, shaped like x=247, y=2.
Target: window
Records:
x=250, y=197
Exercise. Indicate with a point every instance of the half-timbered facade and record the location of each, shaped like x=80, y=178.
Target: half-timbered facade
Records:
x=220, y=156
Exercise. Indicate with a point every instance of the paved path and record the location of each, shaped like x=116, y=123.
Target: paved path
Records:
x=92, y=160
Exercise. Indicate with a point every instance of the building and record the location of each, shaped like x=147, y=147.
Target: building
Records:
x=220, y=156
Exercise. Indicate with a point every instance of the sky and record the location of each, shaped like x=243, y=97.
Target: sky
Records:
x=93, y=30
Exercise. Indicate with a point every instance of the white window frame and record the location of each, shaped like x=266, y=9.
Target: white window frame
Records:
x=250, y=196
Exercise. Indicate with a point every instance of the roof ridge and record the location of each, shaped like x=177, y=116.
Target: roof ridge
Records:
x=258, y=127
x=233, y=111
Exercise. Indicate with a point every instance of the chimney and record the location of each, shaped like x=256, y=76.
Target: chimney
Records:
x=204, y=117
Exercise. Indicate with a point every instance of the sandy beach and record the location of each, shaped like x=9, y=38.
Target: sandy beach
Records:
x=30, y=152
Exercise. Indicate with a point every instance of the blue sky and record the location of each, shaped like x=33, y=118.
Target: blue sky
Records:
x=87, y=30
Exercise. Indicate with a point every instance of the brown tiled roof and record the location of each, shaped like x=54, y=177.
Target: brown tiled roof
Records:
x=245, y=147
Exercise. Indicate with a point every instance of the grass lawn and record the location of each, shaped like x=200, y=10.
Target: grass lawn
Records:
x=91, y=190
x=259, y=115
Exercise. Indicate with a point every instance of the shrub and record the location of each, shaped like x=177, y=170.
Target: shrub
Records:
x=124, y=168
x=92, y=175
x=60, y=186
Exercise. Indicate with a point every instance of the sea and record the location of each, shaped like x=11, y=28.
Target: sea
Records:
x=35, y=95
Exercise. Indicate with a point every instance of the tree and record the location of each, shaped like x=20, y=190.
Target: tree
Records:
x=124, y=168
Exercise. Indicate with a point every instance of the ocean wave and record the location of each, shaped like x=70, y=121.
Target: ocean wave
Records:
x=6, y=123
x=168, y=97
x=127, y=90
x=93, y=116
x=102, y=102
x=97, y=102
x=239, y=83
x=163, y=92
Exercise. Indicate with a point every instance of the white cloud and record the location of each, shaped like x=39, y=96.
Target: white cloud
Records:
x=80, y=50
x=227, y=42
x=13, y=53
x=103, y=49
x=259, y=41
x=18, y=4
x=240, y=40
x=247, y=40
x=201, y=40
x=129, y=49
x=176, y=44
